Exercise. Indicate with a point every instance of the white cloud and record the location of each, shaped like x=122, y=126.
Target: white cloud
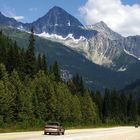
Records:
x=124, y=19
x=18, y=18
x=32, y=9
x=11, y=12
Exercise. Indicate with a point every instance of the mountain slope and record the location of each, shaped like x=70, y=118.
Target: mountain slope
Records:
x=109, y=48
x=132, y=45
x=6, y=21
x=99, y=49
x=96, y=52
x=94, y=75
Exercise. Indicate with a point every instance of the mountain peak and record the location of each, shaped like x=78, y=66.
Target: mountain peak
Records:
x=56, y=21
x=102, y=28
x=56, y=8
x=98, y=26
x=56, y=11
x=59, y=17
x=101, y=24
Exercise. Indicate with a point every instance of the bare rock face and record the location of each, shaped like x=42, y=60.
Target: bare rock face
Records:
x=132, y=45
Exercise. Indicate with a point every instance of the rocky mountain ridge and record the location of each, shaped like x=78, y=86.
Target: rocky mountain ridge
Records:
x=98, y=43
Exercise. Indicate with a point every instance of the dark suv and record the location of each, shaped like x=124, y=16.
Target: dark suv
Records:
x=54, y=128
x=136, y=125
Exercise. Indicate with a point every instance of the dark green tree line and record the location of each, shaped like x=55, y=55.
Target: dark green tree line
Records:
x=30, y=94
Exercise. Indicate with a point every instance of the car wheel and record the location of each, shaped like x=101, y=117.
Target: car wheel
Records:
x=58, y=133
x=62, y=133
x=45, y=133
x=49, y=133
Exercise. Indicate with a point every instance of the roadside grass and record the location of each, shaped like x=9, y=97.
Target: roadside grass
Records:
x=10, y=130
x=67, y=127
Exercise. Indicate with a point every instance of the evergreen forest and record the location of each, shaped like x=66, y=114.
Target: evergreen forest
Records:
x=33, y=93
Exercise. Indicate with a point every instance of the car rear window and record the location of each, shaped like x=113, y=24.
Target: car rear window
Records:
x=54, y=124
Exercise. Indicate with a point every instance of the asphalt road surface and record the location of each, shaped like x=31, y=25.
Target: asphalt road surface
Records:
x=117, y=133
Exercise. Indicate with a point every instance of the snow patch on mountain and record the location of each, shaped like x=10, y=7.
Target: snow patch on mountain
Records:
x=69, y=23
x=127, y=52
x=122, y=69
x=61, y=38
x=95, y=49
x=80, y=45
x=21, y=28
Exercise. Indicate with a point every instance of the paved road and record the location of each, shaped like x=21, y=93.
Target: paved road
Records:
x=117, y=133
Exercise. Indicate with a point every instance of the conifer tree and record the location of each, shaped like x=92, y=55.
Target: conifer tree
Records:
x=75, y=110
x=77, y=84
x=0, y=32
x=63, y=99
x=123, y=107
x=114, y=105
x=19, y=97
x=30, y=56
x=44, y=63
x=39, y=63
x=6, y=95
x=88, y=109
x=98, y=101
x=40, y=100
x=106, y=105
x=21, y=63
x=56, y=71
x=138, y=106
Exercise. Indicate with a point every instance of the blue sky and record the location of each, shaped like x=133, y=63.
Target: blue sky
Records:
x=30, y=10
x=130, y=1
